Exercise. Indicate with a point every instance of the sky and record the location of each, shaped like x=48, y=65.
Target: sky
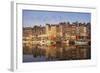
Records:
x=31, y=18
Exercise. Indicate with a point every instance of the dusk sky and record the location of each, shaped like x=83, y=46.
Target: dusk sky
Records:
x=33, y=17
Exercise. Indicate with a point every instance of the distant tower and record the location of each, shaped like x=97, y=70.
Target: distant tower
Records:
x=47, y=28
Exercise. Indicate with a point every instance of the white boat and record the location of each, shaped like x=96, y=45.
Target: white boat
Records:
x=81, y=42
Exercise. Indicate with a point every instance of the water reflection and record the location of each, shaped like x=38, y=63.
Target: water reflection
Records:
x=59, y=52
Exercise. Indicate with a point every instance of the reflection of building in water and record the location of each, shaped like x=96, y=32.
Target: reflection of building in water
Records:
x=67, y=53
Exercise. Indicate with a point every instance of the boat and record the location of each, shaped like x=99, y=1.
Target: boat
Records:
x=81, y=42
